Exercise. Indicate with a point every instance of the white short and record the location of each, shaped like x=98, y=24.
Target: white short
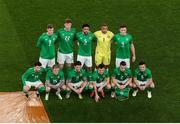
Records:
x=142, y=82
x=118, y=61
x=100, y=84
x=47, y=62
x=87, y=60
x=122, y=82
x=61, y=58
x=33, y=84
x=77, y=85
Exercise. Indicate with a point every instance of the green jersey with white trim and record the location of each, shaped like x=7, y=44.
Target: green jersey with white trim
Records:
x=143, y=76
x=85, y=43
x=98, y=78
x=121, y=75
x=31, y=75
x=75, y=76
x=54, y=79
x=66, y=40
x=123, y=45
x=46, y=44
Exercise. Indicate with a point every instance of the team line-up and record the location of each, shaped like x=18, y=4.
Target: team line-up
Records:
x=80, y=75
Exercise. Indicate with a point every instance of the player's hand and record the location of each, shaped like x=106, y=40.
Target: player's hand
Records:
x=80, y=90
x=97, y=98
x=133, y=58
x=121, y=87
x=99, y=89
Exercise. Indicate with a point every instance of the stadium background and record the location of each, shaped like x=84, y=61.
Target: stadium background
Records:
x=154, y=26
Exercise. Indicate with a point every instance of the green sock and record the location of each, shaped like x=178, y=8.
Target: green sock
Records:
x=41, y=89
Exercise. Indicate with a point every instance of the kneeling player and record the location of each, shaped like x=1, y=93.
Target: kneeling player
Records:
x=31, y=78
x=121, y=79
x=54, y=80
x=143, y=80
x=101, y=81
x=76, y=80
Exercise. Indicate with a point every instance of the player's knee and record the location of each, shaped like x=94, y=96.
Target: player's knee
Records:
x=64, y=87
x=48, y=89
x=108, y=86
x=152, y=85
x=113, y=84
x=26, y=88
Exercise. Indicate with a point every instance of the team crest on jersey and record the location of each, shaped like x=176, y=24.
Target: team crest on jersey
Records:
x=108, y=36
x=127, y=39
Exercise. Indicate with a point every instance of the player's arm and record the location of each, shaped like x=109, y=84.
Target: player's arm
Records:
x=149, y=79
x=68, y=81
x=24, y=77
x=130, y=78
x=39, y=42
x=133, y=52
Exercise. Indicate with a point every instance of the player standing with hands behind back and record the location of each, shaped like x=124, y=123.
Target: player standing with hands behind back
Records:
x=125, y=45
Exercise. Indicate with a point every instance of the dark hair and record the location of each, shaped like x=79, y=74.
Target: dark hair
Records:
x=142, y=63
x=67, y=20
x=103, y=24
x=55, y=67
x=123, y=63
x=101, y=66
x=85, y=25
x=50, y=26
x=123, y=26
x=37, y=64
x=77, y=63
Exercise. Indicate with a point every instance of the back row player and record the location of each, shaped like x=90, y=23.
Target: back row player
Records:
x=66, y=38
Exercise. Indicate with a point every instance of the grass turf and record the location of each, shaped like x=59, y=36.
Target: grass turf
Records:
x=154, y=25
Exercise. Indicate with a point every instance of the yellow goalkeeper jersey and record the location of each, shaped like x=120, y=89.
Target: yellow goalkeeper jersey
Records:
x=103, y=41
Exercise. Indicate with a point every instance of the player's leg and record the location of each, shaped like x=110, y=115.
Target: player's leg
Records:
x=71, y=87
x=44, y=62
x=106, y=60
x=51, y=62
x=98, y=59
x=26, y=88
x=88, y=63
x=150, y=88
x=39, y=88
x=135, y=87
x=60, y=86
x=91, y=89
x=127, y=62
x=69, y=60
x=48, y=88
x=81, y=59
x=60, y=59
x=100, y=88
x=113, y=86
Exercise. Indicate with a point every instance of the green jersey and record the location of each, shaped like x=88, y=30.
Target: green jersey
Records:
x=66, y=40
x=85, y=43
x=121, y=75
x=89, y=76
x=123, y=45
x=46, y=45
x=143, y=76
x=75, y=76
x=54, y=79
x=98, y=78
x=31, y=75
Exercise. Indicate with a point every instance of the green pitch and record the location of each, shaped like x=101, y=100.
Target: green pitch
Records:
x=154, y=25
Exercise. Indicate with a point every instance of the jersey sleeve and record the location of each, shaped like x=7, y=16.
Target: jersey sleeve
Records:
x=149, y=74
x=48, y=75
x=62, y=75
x=114, y=73
x=135, y=73
x=39, y=42
x=114, y=39
x=129, y=73
x=25, y=76
x=131, y=40
x=94, y=38
x=69, y=75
